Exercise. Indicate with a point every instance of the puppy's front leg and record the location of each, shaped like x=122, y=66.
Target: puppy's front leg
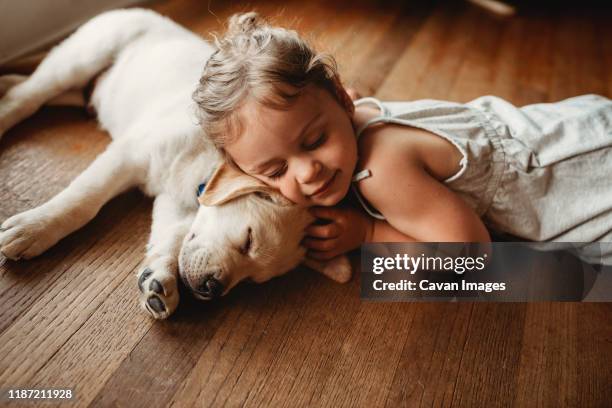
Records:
x=30, y=233
x=158, y=280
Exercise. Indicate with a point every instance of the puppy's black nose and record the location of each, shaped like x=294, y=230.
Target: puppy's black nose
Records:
x=210, y=287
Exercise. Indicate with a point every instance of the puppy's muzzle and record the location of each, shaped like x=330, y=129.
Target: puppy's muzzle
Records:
x=207, y=288
x=210, y=287
x=204, y=282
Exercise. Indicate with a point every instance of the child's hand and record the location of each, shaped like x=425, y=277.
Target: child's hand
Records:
x=348, y=229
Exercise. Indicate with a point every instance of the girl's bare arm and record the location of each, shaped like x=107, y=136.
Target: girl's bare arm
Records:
x=416, y=205
x=382, y=231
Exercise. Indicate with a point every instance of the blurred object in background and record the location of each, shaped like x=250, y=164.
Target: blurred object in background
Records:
x=26, y=26
x=497, y=7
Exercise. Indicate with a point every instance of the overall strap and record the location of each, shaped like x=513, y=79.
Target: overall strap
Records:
x=384, y=113
x=371, y=211
x=365, y=173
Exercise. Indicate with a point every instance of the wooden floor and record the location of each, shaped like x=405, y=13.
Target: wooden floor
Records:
x=70, y=318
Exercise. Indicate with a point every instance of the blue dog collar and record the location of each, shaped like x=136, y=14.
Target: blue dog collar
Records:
x=201, y=189
x=202, y=186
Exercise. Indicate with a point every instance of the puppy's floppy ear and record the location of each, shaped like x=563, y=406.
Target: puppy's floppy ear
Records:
x=337, y=269
x=275, y=197
x=228, y=183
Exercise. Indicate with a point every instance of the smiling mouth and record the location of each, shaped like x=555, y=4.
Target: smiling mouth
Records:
x=325, y=186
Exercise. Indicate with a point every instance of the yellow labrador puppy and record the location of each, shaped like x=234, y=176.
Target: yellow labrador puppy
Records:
x=147, y=68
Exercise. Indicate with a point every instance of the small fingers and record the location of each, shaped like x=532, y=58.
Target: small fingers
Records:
x=327, y=213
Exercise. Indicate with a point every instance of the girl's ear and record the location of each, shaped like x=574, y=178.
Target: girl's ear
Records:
x=228, y=183
x=343, y=97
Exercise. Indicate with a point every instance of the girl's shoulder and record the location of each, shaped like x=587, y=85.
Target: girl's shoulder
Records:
x=382, y=144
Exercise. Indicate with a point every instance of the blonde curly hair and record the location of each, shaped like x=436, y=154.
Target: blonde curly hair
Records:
x=267, y=64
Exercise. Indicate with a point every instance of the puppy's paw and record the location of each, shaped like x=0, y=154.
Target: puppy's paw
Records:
x=158, y=291
x=27, y=235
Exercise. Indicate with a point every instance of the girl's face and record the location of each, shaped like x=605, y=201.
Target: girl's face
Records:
x=308, y=152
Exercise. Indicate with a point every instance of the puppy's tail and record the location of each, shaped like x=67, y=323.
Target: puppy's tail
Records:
x=75, y=61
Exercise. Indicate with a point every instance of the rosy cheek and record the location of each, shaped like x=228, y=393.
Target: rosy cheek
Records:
x=289, y=192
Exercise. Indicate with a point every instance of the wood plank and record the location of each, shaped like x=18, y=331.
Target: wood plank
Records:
x=280, y=359
x=534, y=62
x=489, y=362
x=603, y=30
x=594, y=353
x=157, y=364
x=548, y=366
x=24, y=284
x=431, y=356
x=578, y=67
x=427, y=69
x=243, y=353
x=69, y=302
x=508, y=60
x=93, y=353
x=370, y=56
x=169, y=352
x=369, y=355
x=565, y=356
x=476, y=72
x=37, y=164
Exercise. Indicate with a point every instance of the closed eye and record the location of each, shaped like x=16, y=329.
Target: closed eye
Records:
x=278, y=173
x=320, y=140
x=311, y=146
x=246, y=245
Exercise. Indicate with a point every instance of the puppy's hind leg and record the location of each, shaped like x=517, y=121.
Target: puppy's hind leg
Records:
x=73, y=97
x=9, y=81
x=158, y=279
x=74, y=62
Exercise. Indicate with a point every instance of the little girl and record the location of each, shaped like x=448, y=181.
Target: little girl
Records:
x=422, y=170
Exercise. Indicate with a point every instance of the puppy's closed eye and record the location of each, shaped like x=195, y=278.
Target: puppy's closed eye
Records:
x=246, y=245
x=264, y=196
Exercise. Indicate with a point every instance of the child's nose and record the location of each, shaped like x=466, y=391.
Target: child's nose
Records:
x=307, y=170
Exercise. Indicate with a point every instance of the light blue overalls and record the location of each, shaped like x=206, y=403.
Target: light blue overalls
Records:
x=542, y=172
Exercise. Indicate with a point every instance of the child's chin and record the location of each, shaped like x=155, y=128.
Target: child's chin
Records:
x=334, y=197
x=328, y=203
